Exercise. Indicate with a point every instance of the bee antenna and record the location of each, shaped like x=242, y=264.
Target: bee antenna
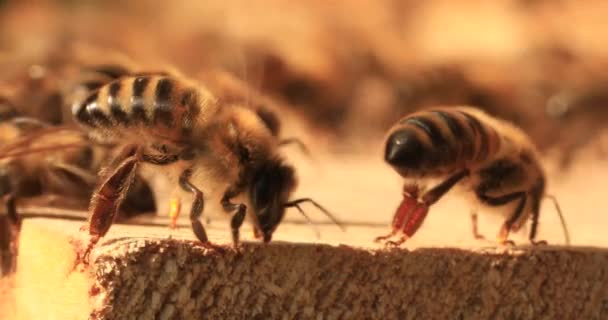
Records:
x=312, y=224
x=303, y=148
x=561, y=217
x=296, y=203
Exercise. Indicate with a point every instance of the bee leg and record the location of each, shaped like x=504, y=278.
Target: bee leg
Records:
x=6, y=191
x=197, y=209
x=402, y=214
x=475, y=226
x=502, y=200
x=6, y=245
x=198, y=205
x=420, y=211
x=11, y=210
x=9, y=226
x=239, y=210
x=535, y=197
x=433, y=195
x=108, y=197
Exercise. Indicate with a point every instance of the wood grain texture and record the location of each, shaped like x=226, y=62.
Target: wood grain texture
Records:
x=141, y=273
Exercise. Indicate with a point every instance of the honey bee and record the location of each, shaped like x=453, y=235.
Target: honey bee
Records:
x=167, y=121
x=490, y=157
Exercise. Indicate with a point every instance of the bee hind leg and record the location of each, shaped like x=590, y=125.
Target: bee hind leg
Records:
x=107, y=198
x=503, y=234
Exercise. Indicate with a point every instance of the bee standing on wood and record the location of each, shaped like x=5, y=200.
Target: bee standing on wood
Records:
x=214, y=151
x=492, y=158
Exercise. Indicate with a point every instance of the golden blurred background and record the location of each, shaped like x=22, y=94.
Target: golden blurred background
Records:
x=350, y=68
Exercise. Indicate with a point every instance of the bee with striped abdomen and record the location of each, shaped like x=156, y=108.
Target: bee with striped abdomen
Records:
x=166, y=121
x=490, y=157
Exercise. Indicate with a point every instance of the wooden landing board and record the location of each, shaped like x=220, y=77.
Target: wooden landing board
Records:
x=138, y=272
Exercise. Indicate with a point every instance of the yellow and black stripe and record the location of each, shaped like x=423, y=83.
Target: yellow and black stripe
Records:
x=148, y=100
x=439, y=139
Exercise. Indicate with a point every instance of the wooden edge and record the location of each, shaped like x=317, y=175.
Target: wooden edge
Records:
x=134, y=275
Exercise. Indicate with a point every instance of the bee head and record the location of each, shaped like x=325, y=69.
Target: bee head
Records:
x=271, y=185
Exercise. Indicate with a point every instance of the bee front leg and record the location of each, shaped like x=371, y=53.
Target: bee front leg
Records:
x=239, y=209
x=401, y=215
x=419, y=213
x=198, y=205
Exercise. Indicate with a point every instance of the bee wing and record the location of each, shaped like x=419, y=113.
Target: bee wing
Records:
x=22, y=146
x=75, y=173
x=69, y=180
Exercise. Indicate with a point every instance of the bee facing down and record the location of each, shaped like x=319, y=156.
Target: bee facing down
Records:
x=165, y=121
x=492, y=158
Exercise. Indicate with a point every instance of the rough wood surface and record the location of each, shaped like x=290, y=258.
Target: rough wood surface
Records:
x=140, y=273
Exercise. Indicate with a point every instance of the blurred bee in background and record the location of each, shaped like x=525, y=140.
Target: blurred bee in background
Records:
x=37, y=160
x=34, y=90
x=168, y=121
x=489, y=157
x=51, y=166
x=582, y=116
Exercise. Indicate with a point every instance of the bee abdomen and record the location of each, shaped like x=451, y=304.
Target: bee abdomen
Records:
x=135, y=101
x=440, y=139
